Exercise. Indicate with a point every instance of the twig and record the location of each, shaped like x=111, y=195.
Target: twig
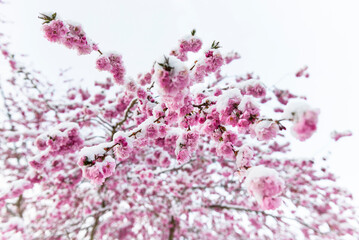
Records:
x=172, y=228
x=128, y=110
x=265, y=214
x=174, y=169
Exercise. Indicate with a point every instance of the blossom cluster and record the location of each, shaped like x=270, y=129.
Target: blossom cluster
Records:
x=265, y=186
x=65, y=138
x=305, y=119
x=70, y=35
x=97, y=170
x=187, y=44
x=113, y=64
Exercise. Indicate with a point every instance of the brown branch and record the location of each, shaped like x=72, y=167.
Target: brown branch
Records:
x=152, y=85
x=104, y=121
x=175, y=168
x=97, y=221
x=11, y=121
x=94, y=228
x=7, y=108
x=172, y=228
x=128, y=110
x=18, y=206
x=26, y=77
x=205, y=104
x=134, y=133
x=101, y=123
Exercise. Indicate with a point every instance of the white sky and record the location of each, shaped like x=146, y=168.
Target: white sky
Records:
x=275, y=38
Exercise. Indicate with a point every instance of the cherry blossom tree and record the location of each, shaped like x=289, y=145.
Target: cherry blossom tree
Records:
x=181, y=151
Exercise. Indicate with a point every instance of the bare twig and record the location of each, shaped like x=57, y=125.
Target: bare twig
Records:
x=128, y=110
x=278, y=217
x=175, y=168
x=172, y=228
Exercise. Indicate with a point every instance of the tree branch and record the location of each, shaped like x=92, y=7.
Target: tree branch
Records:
x=94, y=228
x=31, y=79
x=18, y=205
x=175, y=168
x=128, y=110
x=97, y=220
x=278, y=217
x=172, y=228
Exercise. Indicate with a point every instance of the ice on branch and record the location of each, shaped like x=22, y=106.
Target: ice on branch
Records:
x=265, y=185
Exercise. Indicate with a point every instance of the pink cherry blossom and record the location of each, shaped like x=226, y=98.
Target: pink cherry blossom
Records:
x=183, y=150
x=265, y=186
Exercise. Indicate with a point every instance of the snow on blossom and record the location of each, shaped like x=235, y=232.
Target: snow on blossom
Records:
x=70, y=35
x=186, y=144
x=265, y=185
x=231, y=56
x=172, y=76
x=225, y=149
x=63, y=139
x=338, y=135
x=244, y=156
x=210, y=63
x=14, y=189
x=55, y=31
x=305, y=119
x=98, y=171
x=124, y=146
x=253, y=87
x=187, y=44
x=265, y=130
x=112, y=62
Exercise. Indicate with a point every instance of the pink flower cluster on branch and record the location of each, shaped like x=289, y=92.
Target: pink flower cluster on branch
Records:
x=305, y=119
x=187, y=44
x=62, y=140
x=113, y=64
x=265, y=185
x=70, y=35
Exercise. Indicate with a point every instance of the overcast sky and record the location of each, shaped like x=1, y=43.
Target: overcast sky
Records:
x=274, y=38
